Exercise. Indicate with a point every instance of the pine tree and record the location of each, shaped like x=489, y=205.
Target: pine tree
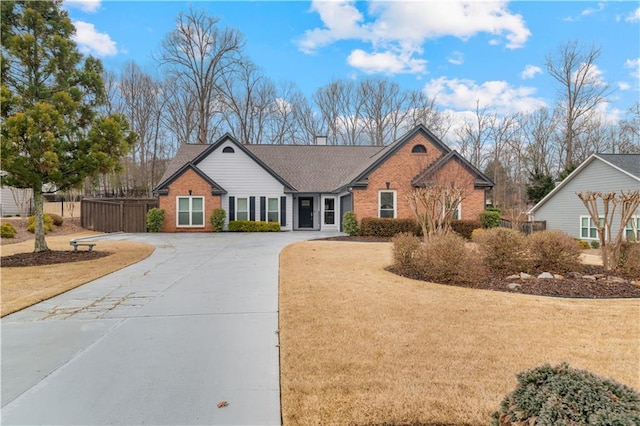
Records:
x=540, y=184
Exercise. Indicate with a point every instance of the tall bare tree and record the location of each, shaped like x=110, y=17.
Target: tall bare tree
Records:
x=383, y=108
x=581, y=90
x=198, y=54
x=475, y=135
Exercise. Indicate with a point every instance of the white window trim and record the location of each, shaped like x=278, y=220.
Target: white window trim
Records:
x=335, y=211
x=271, y=211
x=589, y=228
x=238, y=210
x=634, y=219
x=190, y=198
x=395, y=201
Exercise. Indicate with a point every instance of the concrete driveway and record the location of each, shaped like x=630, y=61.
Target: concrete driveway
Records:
x=161, y=342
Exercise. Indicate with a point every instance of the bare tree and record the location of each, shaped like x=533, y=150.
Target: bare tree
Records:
x=581, y=91
x=383, y=109
x=198, y=55
x=538, y=132
x=179, y=113
x=422, y=110
x=341, y=107
x=474, y=136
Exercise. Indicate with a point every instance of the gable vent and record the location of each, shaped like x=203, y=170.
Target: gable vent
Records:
x=321, y=140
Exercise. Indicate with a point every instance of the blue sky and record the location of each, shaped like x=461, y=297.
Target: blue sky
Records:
x=459, y=52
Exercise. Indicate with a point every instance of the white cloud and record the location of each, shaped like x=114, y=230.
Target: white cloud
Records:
x=634, y=66
x=530, y=71
x=592, y=10
x=92, y=42
x=88, y=6
x=456, y=58
x=623, y=85
x=385, y=62
x=400, y=29
x=634, y=16
x=462, y=94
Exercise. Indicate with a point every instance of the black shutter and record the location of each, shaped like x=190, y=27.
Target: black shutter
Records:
x=252, y=208
x=263, y=208
x=283, y=211
x=232, y=208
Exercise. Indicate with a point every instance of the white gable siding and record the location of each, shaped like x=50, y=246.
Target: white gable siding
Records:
x=563, y=210
x=8, y=205
x=242, y=177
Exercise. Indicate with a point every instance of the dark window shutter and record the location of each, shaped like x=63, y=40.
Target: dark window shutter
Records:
x=252, y=208
x=263, y=208
x=283, y=211
x=232, y=208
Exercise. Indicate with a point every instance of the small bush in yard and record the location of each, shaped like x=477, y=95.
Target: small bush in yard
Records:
x=387, y=227
x=7, y=230
x=350, y=224
x=57, y=219
x=446, y=259
x=155, y=219
x=490, y=217
x=554, y=251
x=595, y=244
x=584, y=245
x=465, y=227
x=405, y=251
x=217, y=219
x=629, y=262
x=502, y=249
x=48, y=223
x=562, y=395
x=251, y=226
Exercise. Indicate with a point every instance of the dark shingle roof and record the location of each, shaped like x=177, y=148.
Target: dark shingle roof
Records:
x=186, y=153
x=630, y=163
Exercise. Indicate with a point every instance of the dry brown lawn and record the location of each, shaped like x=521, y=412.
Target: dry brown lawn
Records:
x=362, y=346
x=25, y=286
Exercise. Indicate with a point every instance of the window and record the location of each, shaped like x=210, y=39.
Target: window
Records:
x=630, y=232
x=190, y=211
x=419, y=149
x=457, y=213
x=273, y=214
x=588, y=228
x=242, y=209
x=329, y=211
x=228, y=150
x=387, y=204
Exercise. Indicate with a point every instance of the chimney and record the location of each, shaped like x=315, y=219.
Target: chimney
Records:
x=321, y=140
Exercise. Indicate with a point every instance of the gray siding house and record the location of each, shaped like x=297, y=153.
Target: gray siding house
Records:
x=564, y=211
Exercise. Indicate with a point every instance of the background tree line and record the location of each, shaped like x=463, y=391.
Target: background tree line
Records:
x=206, y=86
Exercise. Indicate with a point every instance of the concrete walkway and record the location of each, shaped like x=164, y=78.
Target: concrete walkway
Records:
x=161, y=342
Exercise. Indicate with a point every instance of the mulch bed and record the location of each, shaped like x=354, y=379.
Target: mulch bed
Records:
x=50, y=257
x=568, y=287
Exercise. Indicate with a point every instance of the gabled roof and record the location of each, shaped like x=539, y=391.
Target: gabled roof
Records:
x=628, y=164
x=164, y=185
x=422, y=179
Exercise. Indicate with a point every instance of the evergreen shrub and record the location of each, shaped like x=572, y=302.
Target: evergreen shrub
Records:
x=57, y=219
x=217, y=219
x=465, y=227
x=350, y=224
x=387, y=227
x=595, y=244
x=7, y=230
x=48, y=223
x=490, y=217
x=155, y=219
x=253, y=226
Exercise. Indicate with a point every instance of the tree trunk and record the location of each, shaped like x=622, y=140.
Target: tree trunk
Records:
x=38, y=204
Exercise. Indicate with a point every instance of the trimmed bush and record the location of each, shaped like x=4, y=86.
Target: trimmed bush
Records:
x=217, y=219
x=7, y=230
x=502, y=249
x=48, y=223
x=446, y=259
x=629, y=262
x=350, y=224
x=595, y=244
x=251, y=226
x=405, y=252
x=387, y=227
x=465, y=227
x=155, y=219
x=562, y=395
x=553, y=251
x=490, y=217
x=584, y=245
x=57, y=219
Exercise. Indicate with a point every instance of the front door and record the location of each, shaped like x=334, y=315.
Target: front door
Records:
x=305, y=212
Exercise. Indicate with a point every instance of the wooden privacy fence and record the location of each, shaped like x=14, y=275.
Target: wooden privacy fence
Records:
x=525, y=227
x=114, y=215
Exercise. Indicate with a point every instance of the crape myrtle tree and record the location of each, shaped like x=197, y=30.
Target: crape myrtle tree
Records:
x=51, y=131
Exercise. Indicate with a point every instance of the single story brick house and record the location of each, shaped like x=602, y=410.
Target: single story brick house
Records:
x=308, y=187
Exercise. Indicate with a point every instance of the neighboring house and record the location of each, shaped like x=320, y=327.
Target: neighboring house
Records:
x=308, y=187
x=14, y=201
x=563, y=210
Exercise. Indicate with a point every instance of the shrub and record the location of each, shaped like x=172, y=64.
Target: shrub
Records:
x=465, y=227
x=502, y=249
x=554, y=251
x=217, y=219
x=490, y=217
x=251, y=226
x=595, y=244
x=584, y=245
x=350, y=224
x=387, y=227
x=405, y=252
x=7, y=230
x=446, y=259
x=48, y=223
x=629, y=262
x=57, y=219
x=562, y=395
x=155, y=219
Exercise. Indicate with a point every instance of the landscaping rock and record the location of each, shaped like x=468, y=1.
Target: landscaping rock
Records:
x=614, y=279
x=513, y=277
x=558, y=277
x=589, y=278
x=514, y=286
x=574, y=275
x=525, y=276
x=545, y=276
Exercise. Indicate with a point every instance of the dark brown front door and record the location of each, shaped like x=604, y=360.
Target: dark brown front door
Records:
x=305, y=212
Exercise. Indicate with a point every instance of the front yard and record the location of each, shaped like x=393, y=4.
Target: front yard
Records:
x=360, y=345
